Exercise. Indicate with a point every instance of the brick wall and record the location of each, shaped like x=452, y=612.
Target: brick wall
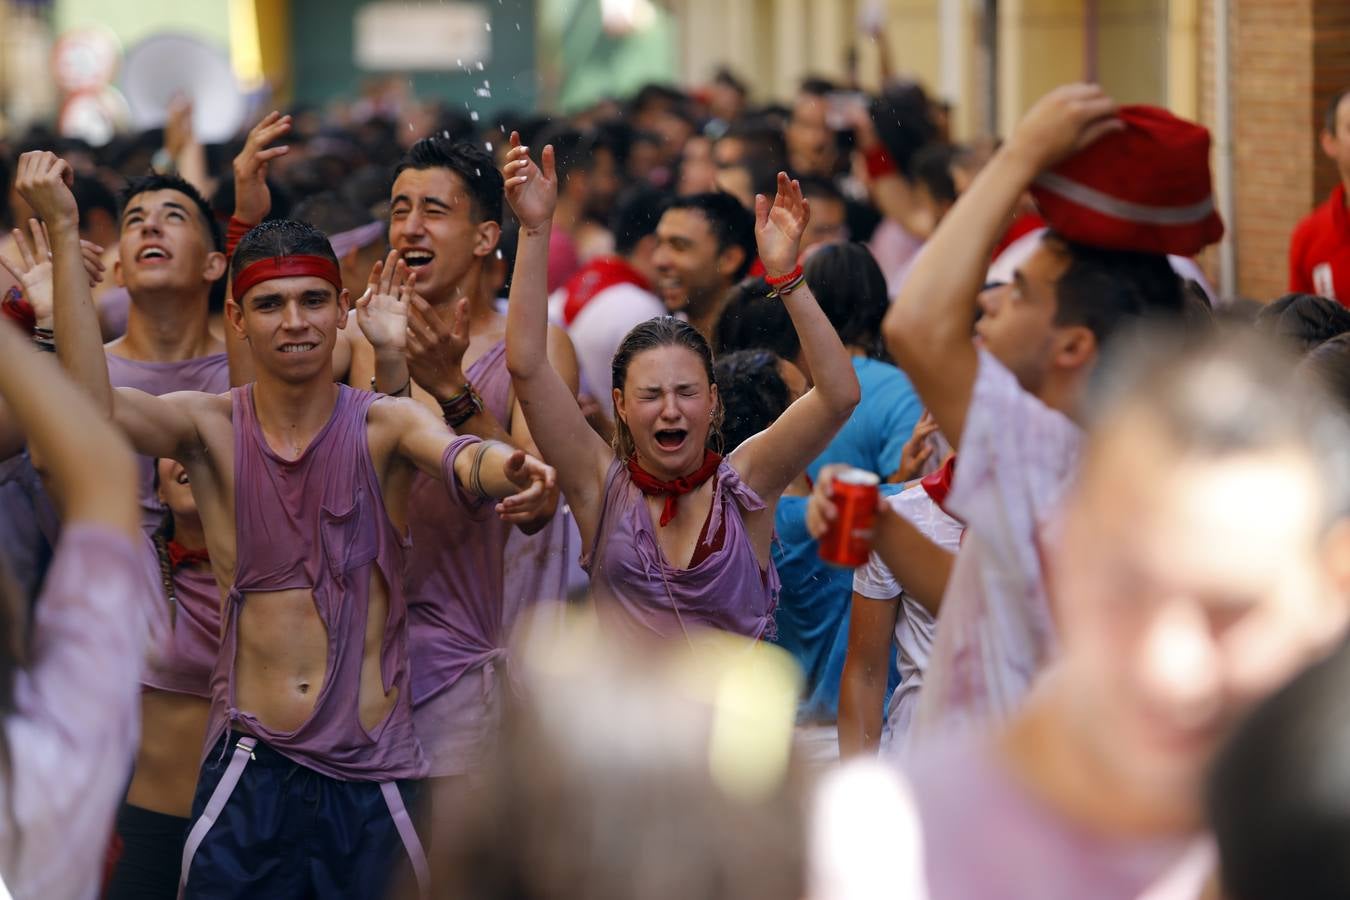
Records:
x=1287, y=59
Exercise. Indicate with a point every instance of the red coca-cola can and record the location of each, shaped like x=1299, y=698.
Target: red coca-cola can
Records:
x=848, y=541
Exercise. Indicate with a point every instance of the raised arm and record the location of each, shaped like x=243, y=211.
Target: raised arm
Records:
x=526, y=487
x=44, y=180
x=548, y=403
x=770, y=460
x=928, y=327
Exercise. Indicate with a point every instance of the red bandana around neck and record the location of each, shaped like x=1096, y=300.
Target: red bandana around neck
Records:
x=652, y=486
x=939, y=484
x=180, y=556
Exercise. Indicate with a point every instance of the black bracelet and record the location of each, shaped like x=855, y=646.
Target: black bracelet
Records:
x=44, y=339
x=462, y=407
x=405, y=391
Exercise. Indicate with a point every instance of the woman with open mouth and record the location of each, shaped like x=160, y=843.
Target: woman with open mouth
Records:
x=674, y=535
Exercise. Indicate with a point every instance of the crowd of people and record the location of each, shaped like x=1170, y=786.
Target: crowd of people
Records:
x=399, y=504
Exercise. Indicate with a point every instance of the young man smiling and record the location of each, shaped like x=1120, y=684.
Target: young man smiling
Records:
x=303, y=488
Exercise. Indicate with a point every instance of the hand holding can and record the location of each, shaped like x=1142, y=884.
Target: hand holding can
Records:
x=847, y=540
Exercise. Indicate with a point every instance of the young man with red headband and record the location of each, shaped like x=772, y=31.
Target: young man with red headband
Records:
x=303, y=487
x=1006, y=400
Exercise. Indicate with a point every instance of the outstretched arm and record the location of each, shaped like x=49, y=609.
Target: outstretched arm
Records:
x=928, y=327
x=550, y=406
x=771, y=459
x=526, y=487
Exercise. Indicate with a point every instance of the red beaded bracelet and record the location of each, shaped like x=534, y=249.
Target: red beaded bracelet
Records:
x=775, y=281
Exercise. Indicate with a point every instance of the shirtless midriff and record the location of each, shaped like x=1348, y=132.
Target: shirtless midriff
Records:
x=281, y=661
x=165, y=777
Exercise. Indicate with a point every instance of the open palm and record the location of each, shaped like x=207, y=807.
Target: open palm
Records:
x=382, y=311
x=532, y=190
x=779, y=226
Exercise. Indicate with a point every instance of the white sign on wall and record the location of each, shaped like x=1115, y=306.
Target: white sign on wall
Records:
x=408, y=36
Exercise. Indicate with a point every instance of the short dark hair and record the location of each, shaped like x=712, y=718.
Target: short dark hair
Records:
x=1278, y=796
x=280, y=237
x=1329, y=361
x=814, y=186
x=816, y=86
x=752, y=320
x=903, y=116
x=157, y=181
x=724, y=76
x=851, y=290
x=1303, y=320
x=732, y=224
x=571, y=151
x=752, y=391
x=471, y=162
x=331, y=214
x=636, y=216
x=1329, y=122
x=1107, y=291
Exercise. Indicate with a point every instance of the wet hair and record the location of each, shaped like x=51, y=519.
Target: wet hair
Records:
x=156, y=181
x=847, y=283
x=1329, y=361
x=1303, y=320
x=752, y=320
x=331, y=214
x=1107, y=291
x=662, y=331
x=636, y=216
x=280, y=237
x=753, y=393
x=1278, y=796
x=1220, y=394
x=1329, y=119
x=471, y=162
x=731, y=224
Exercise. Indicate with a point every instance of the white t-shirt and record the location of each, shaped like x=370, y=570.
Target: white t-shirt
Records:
x=1016, y=459
x=914, y=625
x=601, y=326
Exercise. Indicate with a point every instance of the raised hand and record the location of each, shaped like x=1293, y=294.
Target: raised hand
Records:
x=382, y=311
x=917, y=450
x=33, y=270
x=539, y=497
x=532, y=190
x=779, y=227
x=178, y=133
x=252, y=200
x=436, y=347
x=44, y=180
x=1061, y=123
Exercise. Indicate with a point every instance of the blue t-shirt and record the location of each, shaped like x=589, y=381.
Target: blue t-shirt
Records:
x=813, y=609
x=875, y=435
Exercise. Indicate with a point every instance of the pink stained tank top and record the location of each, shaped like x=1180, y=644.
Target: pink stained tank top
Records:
x=636, y=589
x=318, y=523
x=184, y=665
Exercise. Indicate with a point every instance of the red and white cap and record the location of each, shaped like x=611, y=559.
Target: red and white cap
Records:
x=1145, y=188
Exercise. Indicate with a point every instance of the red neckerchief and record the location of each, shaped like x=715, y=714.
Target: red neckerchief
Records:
x=594, y=277
x=939, y=484
x=652, y=486
x=180, y=556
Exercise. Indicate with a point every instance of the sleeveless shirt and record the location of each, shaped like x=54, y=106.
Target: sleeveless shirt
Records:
x=318, y=523
x=637, y=590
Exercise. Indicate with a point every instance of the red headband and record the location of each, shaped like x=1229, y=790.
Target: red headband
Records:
x=286, y=267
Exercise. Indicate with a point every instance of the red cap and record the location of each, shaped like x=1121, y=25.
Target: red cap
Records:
x=1146, y=188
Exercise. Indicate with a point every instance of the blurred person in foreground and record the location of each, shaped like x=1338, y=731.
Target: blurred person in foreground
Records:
x=1279, y=796
x=1204, y=558
x=633, y=771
